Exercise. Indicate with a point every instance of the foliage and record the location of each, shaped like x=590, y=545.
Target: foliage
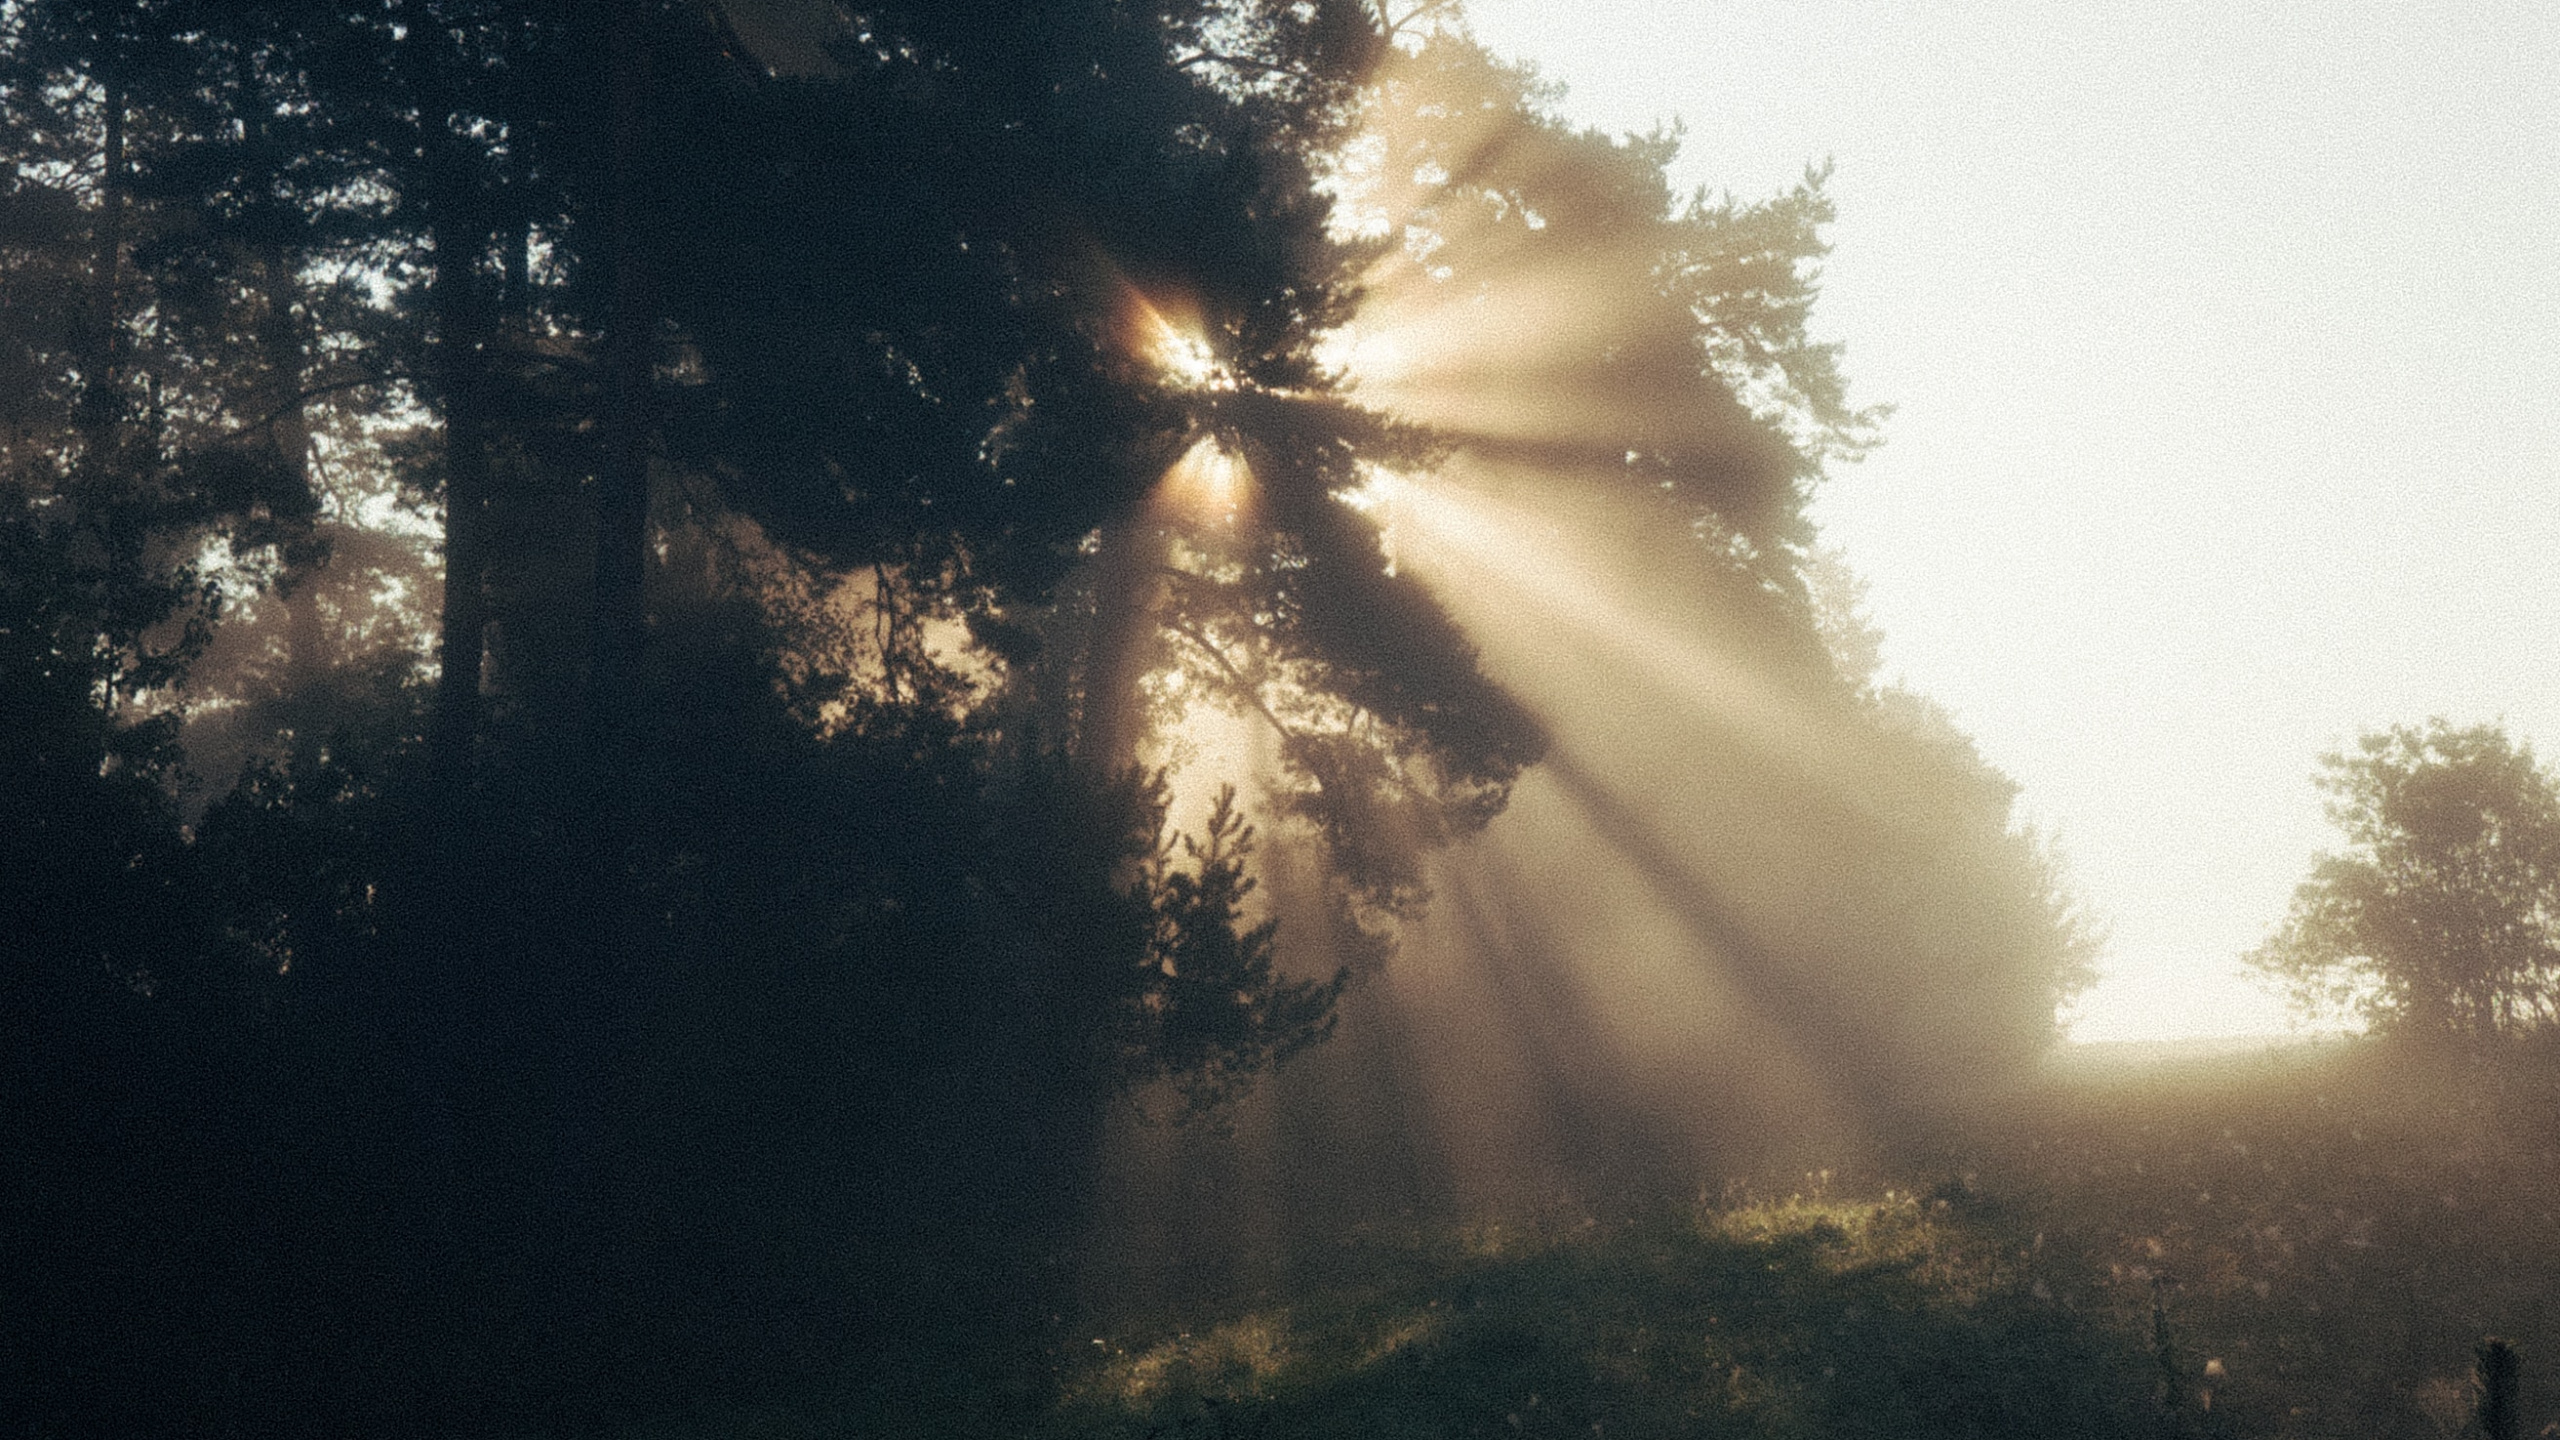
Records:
x=1673, y=350
x=2012, y=916
x=692, y=1035
x=2017, y=916
x=2327, y=1231
x=1750, y=272
x=538, y=915
x=1218, y=1015
x=91, y=863
x=2442, y=916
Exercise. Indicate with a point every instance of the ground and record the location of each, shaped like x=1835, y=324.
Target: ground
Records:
x=2306, y=1242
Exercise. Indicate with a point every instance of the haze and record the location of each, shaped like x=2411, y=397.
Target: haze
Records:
x=2222, y=341
x=1067, y=719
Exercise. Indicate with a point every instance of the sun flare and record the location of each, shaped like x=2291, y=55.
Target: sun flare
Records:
x=1178, y=344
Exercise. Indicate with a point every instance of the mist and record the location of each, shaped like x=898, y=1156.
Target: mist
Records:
x=1065, y=721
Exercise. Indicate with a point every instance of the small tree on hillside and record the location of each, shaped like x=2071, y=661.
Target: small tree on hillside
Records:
x=2442, y=915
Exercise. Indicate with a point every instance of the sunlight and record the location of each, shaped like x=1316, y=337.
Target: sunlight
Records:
x=1481, y=318
x=1506, y=358
x=1659, y=913
x=1592, y=991
x=1209, y=486
x=1494, y=563
x=1692, y=943
x=1594, y=958
x=1189, y=360
x=1371, y=356
x=1178, y=344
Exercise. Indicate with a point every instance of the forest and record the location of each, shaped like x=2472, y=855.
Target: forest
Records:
x=767, y=717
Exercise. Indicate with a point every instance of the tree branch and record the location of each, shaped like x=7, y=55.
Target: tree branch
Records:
x=1252, y=693
x=1422, y=10
x=268, y=420
x=1239, y=62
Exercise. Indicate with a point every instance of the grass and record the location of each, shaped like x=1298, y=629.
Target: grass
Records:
x=1810, y=1317
x=2327, y=1235
x=2327, y=1232
x=2340, y=1226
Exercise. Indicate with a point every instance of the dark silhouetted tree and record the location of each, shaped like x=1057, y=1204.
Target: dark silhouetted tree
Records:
x=620, y=943
x=1208, y=956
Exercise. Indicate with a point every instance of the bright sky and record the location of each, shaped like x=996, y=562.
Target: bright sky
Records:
x=2225, y=341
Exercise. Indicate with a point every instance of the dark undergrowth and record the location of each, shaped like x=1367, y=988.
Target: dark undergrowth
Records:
x=1897, y=1316
x=2321, y=1236
x=1805, y=1318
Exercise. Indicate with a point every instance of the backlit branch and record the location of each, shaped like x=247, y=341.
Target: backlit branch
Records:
x=1252, y=692
x=268, y=421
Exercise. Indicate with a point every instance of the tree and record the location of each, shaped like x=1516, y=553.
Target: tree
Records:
x=2441, y=918
x=685, y=952
x=1622, y=361
x=1672, y=359
x=2008, y=897
x=1215, y=1013
x=886, y=941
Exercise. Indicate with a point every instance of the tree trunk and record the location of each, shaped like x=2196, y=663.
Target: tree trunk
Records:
x=2498, y=1372
x=1129, y=587
x=622, y=502
x=280, y=342
x=101, y=408
x=462, y=367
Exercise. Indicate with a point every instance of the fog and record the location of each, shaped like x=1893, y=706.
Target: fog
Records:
x=1080, y=721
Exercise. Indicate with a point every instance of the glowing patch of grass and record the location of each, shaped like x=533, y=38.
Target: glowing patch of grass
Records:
x=1244, y=1358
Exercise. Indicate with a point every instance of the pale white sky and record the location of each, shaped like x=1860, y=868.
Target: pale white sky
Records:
x=2225, y=341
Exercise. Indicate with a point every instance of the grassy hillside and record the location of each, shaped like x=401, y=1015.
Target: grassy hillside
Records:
x=2322, y=1236
x=1894, y=1317
x=2338, y=1226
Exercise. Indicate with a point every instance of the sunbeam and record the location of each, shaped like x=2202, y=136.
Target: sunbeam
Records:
x=1738, y=923
x=1208, y=487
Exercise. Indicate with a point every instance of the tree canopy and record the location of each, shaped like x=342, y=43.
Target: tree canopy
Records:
x=594, y=603
x=2441, y=917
